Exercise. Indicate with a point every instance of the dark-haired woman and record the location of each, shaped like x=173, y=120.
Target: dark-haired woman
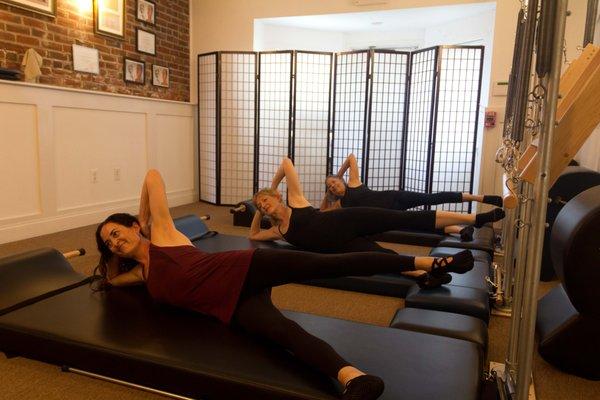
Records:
x=234, y=286
x=342, y=194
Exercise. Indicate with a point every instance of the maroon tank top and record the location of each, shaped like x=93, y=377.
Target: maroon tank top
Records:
x=186, y=277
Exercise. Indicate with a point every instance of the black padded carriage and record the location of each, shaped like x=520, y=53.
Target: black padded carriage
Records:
x=125, y=335
x=483, y=239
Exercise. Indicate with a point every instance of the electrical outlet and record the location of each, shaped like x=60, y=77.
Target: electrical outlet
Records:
x=117, y=174
x=94, y=175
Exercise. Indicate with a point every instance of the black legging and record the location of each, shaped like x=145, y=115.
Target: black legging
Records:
x=327, y=232
x=405, y=199
x=256, y=314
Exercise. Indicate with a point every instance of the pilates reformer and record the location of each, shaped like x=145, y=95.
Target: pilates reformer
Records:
x=49, y=313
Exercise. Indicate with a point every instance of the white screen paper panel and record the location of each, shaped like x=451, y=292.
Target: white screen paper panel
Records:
x=350, y=101
x=419, y=120
x=207, y=125
x=387, y=120
x=312, y=112
x=274, y=124
x=238, y=72
x=456, y=127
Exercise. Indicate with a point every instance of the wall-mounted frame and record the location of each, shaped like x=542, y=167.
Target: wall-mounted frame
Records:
x=46, y=7
x=86, y=59
x=145, y=11
x=109, y=18
x=145, y=42
x=160, y=76
x=134, y=71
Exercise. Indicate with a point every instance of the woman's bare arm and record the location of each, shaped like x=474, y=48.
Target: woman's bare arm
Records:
x=163, y=228
x=257, y=233
x=295, y=196
x=132, y=277
x=350, y=163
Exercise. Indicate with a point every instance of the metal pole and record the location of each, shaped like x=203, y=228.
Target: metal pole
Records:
x=532, y=273
x=520, y=261
x=590, y=22
x=509, y=260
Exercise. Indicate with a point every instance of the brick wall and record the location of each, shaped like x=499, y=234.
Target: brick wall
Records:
x=52, y=38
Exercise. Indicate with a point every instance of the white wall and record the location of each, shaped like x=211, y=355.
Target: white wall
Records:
x=402, y=39
x=52, y=139
x=275, y=37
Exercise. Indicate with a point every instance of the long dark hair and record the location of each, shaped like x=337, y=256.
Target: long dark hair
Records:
x=125, y=264
x=332, y=198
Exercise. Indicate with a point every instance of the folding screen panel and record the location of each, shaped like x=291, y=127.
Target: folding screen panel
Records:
x=456, y=121
x=207, y=126
x=237, y=99
x=275, y=109
x=420, y=120
x=350, y=106
x=311, y=121
x=387, y=120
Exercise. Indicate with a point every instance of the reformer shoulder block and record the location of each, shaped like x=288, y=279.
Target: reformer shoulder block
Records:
x=453, y=299
x=478, y=255
x=440, y=323
x=32, y=275
x=123, y=334
x=191, y=226
x=475, y=278
x=483, y=239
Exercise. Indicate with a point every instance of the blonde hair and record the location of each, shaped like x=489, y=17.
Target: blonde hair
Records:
x=267, y=192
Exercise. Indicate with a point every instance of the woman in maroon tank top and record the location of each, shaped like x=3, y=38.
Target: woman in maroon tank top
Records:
x=235, y=286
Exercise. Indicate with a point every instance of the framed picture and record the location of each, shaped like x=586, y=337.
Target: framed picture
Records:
x=86, y=59
x=47, y=7
x=160, y=76
x=145, y=42
x=134, y=71
x=146, y=11
x=109, y=18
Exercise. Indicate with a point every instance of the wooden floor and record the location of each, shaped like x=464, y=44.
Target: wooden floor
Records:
x=26, y=379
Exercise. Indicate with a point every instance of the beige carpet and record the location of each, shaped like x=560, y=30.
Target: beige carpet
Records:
x=26, y=379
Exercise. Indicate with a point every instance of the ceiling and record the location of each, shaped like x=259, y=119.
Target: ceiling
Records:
x=390, y=20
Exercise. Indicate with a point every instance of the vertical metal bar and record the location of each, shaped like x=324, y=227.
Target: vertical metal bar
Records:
x=198, y=133
x=329, y=120
x=218, y=128
x=476, y=127
x=333, y=104
x=524, y=212
x=532, y=273
x=509, y=233
x=408, y=82
x=256, y=121
x=367, y=118
x=590, y=22
x=433, y=122
x=292, y=107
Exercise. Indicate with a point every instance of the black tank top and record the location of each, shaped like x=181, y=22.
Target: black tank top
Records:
x=362, y=196
x=310, y=229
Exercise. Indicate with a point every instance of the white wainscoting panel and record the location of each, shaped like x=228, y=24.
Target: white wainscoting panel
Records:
x=19, y=178
x=54, y=141
x=175, y=150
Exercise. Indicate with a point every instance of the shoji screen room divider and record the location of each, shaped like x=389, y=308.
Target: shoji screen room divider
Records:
x=409, y=117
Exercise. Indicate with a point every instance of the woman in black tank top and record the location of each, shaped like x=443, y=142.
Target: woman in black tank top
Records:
x=342, y=194
x=344, y=229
